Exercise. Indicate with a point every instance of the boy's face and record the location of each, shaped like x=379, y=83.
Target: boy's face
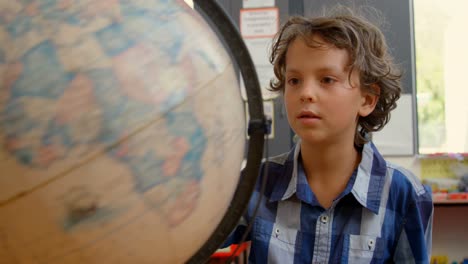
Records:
x=321, y=103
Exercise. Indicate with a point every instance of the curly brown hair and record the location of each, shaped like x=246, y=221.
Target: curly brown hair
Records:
x=368, y=53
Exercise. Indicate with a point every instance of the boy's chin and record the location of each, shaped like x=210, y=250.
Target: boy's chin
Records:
x=319, y=140
x=309, y=138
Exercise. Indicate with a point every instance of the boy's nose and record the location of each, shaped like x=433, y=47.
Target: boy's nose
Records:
x=307, y=99
x=308, y=93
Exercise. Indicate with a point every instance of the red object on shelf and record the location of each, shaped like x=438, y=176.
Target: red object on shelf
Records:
x=226, y=253
x=444, y=198
x=457, y=196
x=439, y=196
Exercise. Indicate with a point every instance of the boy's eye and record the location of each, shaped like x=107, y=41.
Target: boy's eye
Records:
x=293, y=81
x=328, y=80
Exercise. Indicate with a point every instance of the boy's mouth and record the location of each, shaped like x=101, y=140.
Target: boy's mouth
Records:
x=307, y=115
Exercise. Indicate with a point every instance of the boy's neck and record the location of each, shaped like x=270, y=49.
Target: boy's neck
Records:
x=328, y=169
x=333, y=157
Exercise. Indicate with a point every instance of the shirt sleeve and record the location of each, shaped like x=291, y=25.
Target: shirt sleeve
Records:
x=415, y=242
x=236, y=235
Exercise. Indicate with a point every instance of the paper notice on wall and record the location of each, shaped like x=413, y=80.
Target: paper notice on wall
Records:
x=258, y=26
x=397, y=137
x=257, y=3
x=259, y=49
x=259, y=22
x=265, y=74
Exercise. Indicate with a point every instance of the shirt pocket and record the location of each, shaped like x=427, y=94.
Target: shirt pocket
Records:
x=360, y=249
x=280, y=241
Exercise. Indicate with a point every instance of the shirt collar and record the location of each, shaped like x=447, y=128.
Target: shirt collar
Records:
x=367, y=187
x=285, y=185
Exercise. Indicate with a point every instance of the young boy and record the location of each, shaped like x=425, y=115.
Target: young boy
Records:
x=333, y=198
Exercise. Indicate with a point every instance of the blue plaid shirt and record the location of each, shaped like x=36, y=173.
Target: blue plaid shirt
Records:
x=384, y=215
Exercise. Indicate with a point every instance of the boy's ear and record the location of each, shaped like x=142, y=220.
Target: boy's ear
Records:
x=369, y=100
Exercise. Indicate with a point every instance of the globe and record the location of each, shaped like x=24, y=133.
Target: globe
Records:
x=122, y=131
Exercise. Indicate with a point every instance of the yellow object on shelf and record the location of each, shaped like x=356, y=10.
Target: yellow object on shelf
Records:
x=439, y=260
x=442, y=167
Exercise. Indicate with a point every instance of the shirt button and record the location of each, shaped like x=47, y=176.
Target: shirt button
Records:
x=371, y=244
x=324, y=219
x=277, y=231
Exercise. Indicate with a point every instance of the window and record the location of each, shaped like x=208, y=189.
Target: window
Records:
x=441, y=37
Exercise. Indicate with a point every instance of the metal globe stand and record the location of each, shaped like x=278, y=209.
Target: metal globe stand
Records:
x=257, y=129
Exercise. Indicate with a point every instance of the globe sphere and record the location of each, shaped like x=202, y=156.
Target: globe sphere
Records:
x=122, y=131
